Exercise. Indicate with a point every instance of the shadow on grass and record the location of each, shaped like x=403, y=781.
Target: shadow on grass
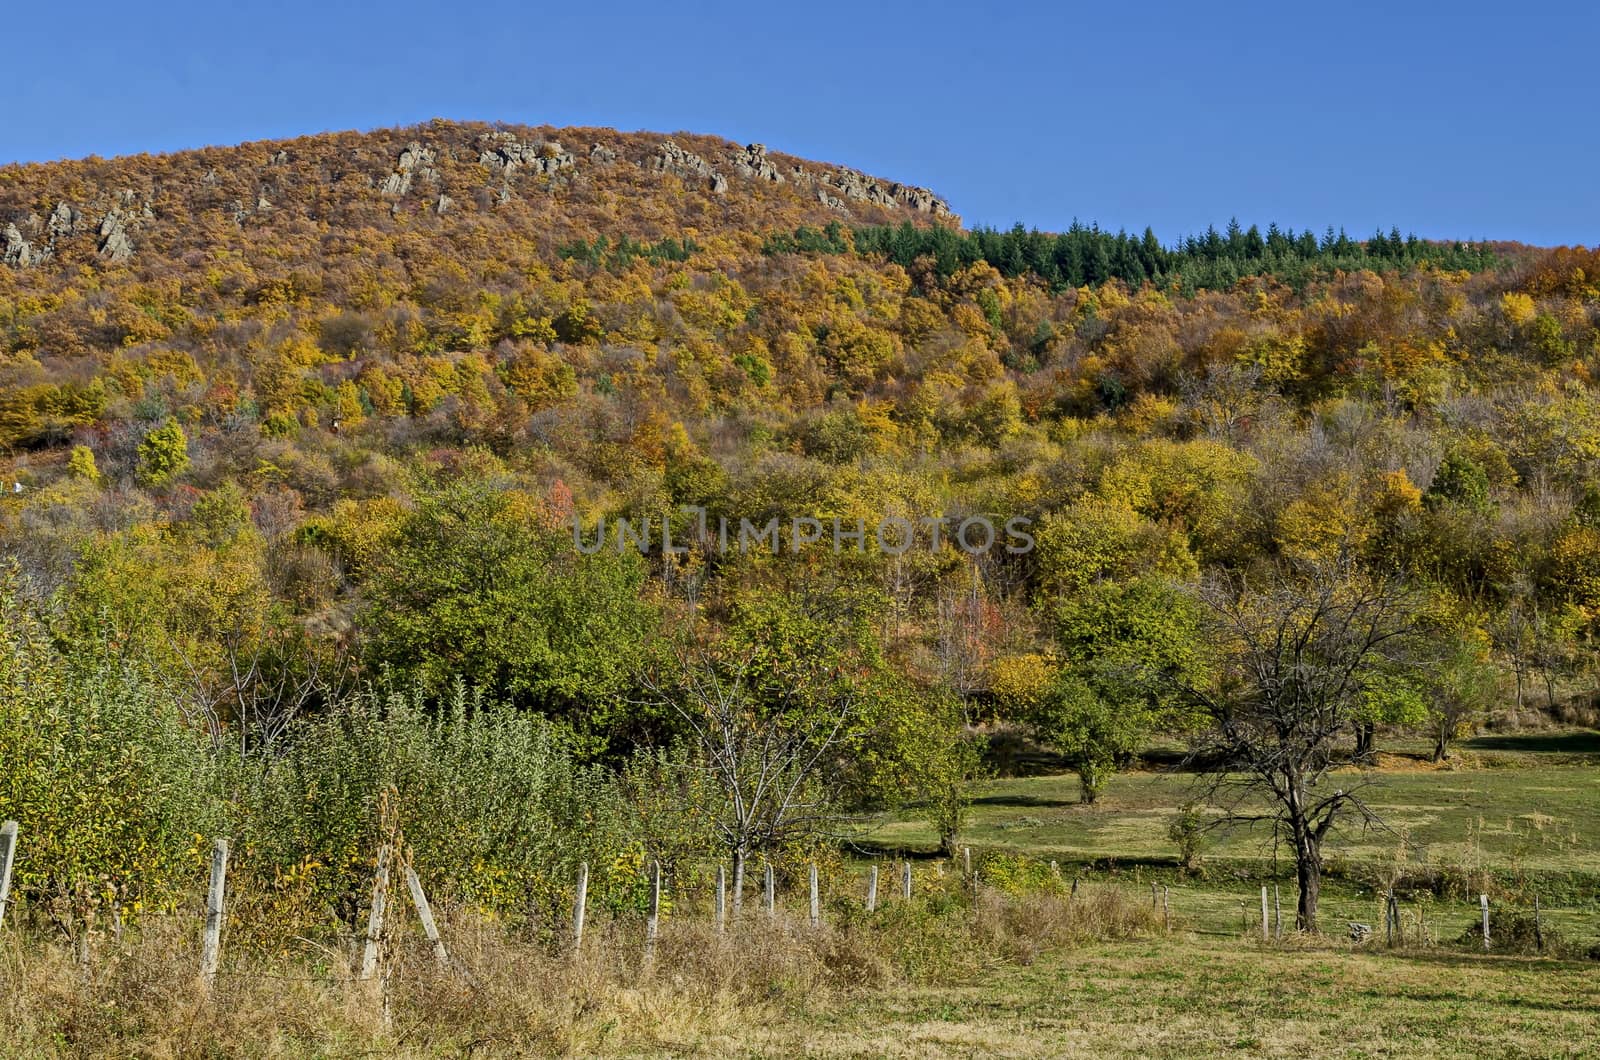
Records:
x=1469, y=962
x=1036, y=801
x=1567, y=743
x=1473, y=999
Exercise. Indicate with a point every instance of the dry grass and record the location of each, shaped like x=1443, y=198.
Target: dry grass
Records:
x=508, y=996
x=945, y=974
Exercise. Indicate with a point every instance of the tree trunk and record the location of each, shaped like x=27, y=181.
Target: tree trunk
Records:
x=1517, y=667
x=1366, y=741
x=1308, y=873
x=1089, y=783
x=1441, y=745
x=738, y=878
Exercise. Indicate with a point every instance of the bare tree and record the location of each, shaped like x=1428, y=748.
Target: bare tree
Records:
x=960, y=648
x=767, y=745
x=1513, y=633
x=1554, y=632
x=1222, y=401
x=1292, y=655
x=256, y=685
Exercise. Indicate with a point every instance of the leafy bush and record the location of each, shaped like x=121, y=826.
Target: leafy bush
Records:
x=492, y=804
x=109, y=784
x=164, y=454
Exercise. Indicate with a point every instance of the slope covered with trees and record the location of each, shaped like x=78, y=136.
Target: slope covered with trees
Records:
x=294, y=436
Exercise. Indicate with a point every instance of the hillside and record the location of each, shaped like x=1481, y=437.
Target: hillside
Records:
x=633, y=321
x=316, y=459
x=623, y=323
x=494, y=181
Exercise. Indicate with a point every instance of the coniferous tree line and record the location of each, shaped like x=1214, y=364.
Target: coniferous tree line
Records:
x=1087, y=255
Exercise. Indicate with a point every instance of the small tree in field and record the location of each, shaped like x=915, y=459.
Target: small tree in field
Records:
x=1294, y=656
x=1094, y=735
x=1125, y=645
x=1461, y=686
x=774, y=706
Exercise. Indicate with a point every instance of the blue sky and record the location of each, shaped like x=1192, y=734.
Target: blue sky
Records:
x=1453, y=121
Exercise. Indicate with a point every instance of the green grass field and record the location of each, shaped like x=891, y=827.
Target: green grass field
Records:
x=1525, y=809
x=1517, y=815
x=1198, y=997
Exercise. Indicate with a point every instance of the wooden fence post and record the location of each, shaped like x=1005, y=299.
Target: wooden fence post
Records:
x=722, y=901
x=1538, y=928
x=1388, y=918
x=1265, y=935
x=8, y=854
x=1155, y=894
x=579, y=903
x=905, y=879
x=380, y=899
x=966, y=857
x=1483, y=900
x=816, y=906
x=1166, y=908
x=652, y=927
x=419, y=901
x=211, y=941
x=1277, y=914
x=872, y=888
x=771, y=887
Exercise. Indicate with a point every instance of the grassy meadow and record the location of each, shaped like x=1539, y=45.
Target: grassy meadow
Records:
x=1041, y=970
x=1516, y=815
x=1205, y=997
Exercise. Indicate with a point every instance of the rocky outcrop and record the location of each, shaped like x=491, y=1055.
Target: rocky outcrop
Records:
x=414, y=161
x=15, y=250
x=65, y=221
x=858, y=186
x=832, y=201
x=753, y=164
x=853, y=184
x=413, y=156
x=672, y=158
x=509, y=154
x=114, y=242
x=919, y=199
x=601, y=155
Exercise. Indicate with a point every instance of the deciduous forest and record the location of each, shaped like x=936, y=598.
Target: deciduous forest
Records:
x=306, y=448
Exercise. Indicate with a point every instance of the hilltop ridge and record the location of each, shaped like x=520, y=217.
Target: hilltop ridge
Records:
x=573, y=182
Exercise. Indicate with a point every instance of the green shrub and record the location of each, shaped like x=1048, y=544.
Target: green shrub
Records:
x=1017, y=875
x=492, y=804
x=164, y=454
x=110, y=786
